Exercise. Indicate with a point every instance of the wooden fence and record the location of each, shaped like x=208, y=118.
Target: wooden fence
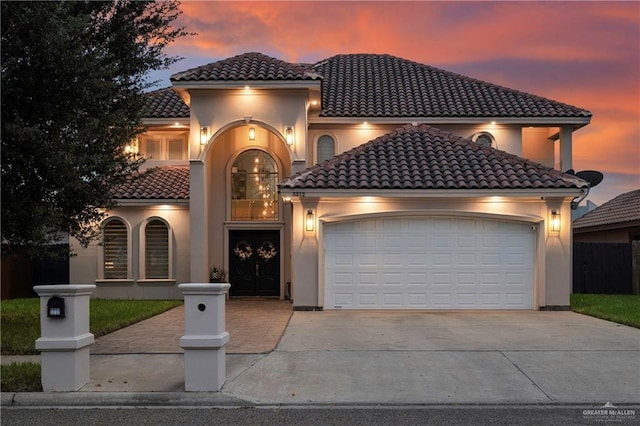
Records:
x=603, y=268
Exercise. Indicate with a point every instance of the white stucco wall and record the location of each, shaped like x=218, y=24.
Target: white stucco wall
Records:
x=84, y=266
x=225, y=113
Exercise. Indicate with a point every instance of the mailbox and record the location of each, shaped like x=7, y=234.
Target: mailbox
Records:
x=55, y=307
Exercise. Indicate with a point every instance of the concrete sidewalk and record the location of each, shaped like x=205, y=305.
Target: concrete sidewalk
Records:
x=381, y=358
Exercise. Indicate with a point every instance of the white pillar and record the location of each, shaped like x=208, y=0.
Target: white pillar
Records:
x=566, y=142
x=198, y=222
x=204, y=336
x=65, y=340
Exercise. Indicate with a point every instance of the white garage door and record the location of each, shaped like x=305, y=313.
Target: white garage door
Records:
x=429, y=263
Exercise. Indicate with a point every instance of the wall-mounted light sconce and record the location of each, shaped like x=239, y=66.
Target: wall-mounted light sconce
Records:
x=131, y=147
x=252, y=133
x=288, y=135
x=204, y=135
x=310, y=221
x=555, y=221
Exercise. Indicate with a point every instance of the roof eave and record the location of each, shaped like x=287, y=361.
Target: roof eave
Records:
x=576, y=122
x=607, y=227
x=239, y=84
x=181, y=122
x=145, y=202
x=433, y=193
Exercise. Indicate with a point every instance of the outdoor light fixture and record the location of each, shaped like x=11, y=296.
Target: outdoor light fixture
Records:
x=131, y=147
x=252, y=133
x=288, y=135
x=555, y=221
x=204, y=135
x=310, y=221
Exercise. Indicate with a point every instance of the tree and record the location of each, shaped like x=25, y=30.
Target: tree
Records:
x=73, y=82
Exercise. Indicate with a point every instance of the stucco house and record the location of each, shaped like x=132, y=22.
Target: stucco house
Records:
x=361, y=181
x=616, y=221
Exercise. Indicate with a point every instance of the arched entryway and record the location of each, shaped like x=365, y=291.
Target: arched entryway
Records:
x=254, y=254
x=242, y=167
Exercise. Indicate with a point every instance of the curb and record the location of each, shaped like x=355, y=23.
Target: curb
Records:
x=220, y=399
x=132, y=399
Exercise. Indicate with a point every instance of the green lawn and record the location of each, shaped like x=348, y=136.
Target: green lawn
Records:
x=20, y=377
x=620, y=308
x=20, y=319
x=20, y=327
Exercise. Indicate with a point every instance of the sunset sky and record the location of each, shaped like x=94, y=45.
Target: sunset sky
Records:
x=585, y=54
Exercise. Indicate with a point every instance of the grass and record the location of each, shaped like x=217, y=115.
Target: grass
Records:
x=20, y=377
x=620, y=308
x=20, y=327
x=20, y=319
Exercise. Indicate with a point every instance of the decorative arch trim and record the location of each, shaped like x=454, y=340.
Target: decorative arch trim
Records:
x=240, y=123
x=164, y=254
x=115, y=252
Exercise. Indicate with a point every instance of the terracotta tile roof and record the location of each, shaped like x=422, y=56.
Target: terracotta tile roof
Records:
x=165, y=103
x=371, y=85
x=248, y=66
x=423, y=157
x=368, y=85
x=160, y=183
x=622, y=209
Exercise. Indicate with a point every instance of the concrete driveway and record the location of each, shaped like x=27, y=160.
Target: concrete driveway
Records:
x=442, y=358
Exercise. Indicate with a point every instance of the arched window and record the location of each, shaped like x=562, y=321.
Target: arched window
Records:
x=326, y=148
x=156, y=250
x=254, y=191
x=116, y=257
x=484, y=139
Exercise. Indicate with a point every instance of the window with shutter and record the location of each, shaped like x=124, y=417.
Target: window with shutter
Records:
x=326, y=148
x=175, y=149
x=116, y=260
x=161, y=147
x=156, y=250
x=153, y=148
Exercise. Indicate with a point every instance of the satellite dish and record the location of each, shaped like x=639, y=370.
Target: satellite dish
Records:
x=591, y=176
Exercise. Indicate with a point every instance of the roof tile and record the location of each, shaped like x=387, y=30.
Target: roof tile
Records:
x=423, y=157
x=248, y=66
x=622, y=209
x=165, y=103
x=371, y=85
x=160, y=183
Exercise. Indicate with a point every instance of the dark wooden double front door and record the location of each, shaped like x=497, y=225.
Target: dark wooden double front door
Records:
x=254, y=263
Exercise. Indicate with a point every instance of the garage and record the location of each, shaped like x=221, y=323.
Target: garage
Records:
x=429, y=263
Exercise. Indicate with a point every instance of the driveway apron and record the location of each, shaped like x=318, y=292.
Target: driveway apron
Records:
x=446, y=357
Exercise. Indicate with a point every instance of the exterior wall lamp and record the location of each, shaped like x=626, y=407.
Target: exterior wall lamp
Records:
x=555, y=221
x=310, y=221
x=204, y=135
x=131, y=147
x=252, y=133
x=288, y=135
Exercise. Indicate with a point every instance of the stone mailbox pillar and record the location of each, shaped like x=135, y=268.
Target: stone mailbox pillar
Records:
x=65, y=337
x=204, y=336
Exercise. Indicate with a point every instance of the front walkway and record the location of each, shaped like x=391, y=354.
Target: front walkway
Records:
x=254, y=325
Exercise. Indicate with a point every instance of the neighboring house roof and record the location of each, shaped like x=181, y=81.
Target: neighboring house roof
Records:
x=423, y=157
x=248, y=66
x=621, y=210
x=165, y=103
x=160, y=183
x=372, y=85
x=387, y=86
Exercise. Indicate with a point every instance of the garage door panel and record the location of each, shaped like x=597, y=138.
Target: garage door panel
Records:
x=413, y=263
x=417, y=300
